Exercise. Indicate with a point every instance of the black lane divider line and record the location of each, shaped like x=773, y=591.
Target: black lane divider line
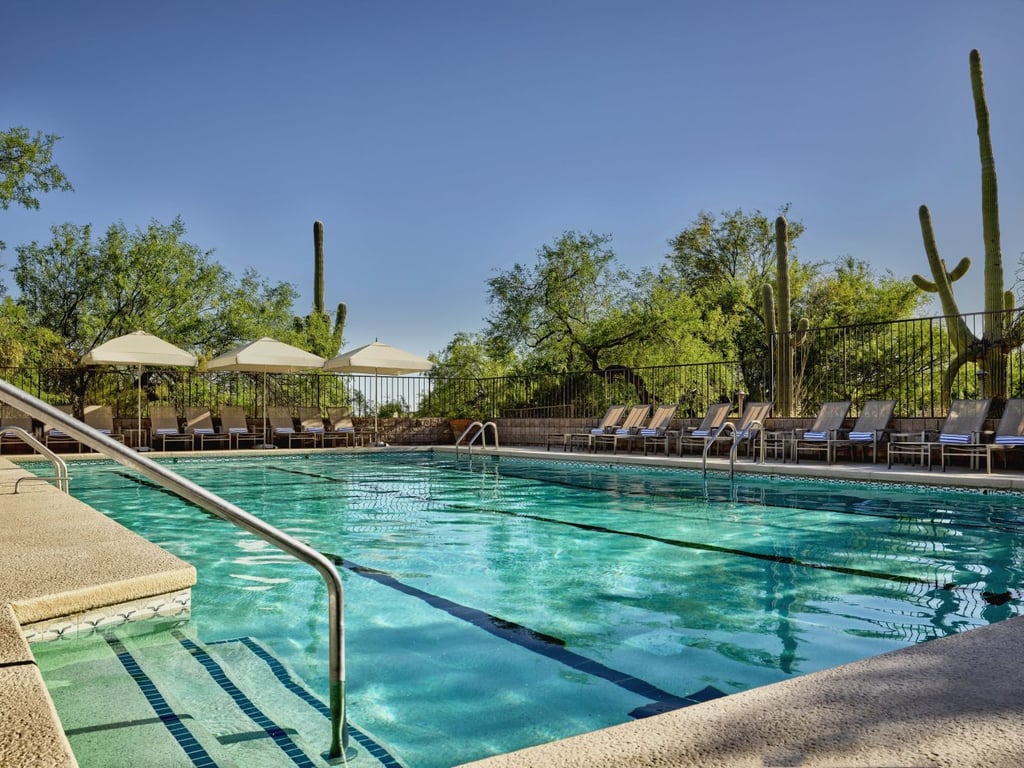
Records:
x=538, y=642
x=171, y=720
x=270, y=728
x=783, y=559
x=288, y=682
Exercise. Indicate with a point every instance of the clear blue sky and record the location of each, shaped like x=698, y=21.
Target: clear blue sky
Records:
x=441, y=141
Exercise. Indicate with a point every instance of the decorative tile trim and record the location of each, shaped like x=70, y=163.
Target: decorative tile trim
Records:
x=170, y=605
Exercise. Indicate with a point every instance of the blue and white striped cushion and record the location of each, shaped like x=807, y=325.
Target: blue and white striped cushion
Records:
x=166, y=431
x=344, y=429
x=1010, y=440
x=743, y=434
x=283, y=431
x=103, y=431
x=862, y=435
x=315, y=429
x=647, y=432
x=954, y=439
x=237, y=430
x=621, y=431
x=815, y=436
x=597, y=431
x=57, y=433
x=203, y=431
x=700, y=433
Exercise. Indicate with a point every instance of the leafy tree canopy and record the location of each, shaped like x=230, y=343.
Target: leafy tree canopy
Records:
x=88, y=290
x=27, y=167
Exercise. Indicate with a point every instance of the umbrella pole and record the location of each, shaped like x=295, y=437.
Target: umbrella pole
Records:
x=138, y=409
x=376, y=405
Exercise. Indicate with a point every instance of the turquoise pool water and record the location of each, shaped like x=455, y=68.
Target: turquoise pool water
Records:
x=498, y=603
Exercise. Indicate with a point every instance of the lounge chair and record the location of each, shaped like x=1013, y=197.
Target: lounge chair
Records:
x=657, y=430
x=101, y=418
x=1009, y=434
x=870, y=429
x=163, y=425
x=311, y=423
x=750, y=426
x=341, y=430
x=11, y=417
x=823, y=432
x=611, y=419
x=282, y=426
x=962, y=427
x=54, y=437
x=630, y=428
x=199, y=424
x=713, y=419
x=233, y=422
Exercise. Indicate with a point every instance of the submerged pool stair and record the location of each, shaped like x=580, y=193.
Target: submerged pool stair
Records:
x=164, y=698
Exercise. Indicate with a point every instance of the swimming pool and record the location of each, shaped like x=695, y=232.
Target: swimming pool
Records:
x=502, y=602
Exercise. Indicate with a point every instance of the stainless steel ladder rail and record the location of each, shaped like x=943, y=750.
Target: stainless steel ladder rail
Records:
x=481, y=433
x=60, y=469
x=735, y=445
x=227, y=511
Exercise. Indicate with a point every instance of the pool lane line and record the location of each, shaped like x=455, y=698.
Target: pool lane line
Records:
x=781, y=559
x=284, y=677
x=538, y=642
x=280, y=737
x=171, y=720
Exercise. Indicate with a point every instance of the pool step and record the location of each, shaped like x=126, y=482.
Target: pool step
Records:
x=166, y=699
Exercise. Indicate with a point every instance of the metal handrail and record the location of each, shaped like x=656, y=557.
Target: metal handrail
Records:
x=481, y=433
x=60, y=469
x=226, y=511
x=735, y=444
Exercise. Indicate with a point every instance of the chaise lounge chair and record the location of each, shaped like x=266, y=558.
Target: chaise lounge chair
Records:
x=341, y=430
x=101, y=418
x=163, y=423
x=54, y=437
x=751, y=426
x=962, y=427
x=282, y=427
x=656, y=432
x=823, y=432
x=1009, y=434
x=611, y=419
x=630, y=428
x=199, y=424
x=233, y=422
x=703, y=434
x=311, y=424
x=12, y=417
x=870, y=428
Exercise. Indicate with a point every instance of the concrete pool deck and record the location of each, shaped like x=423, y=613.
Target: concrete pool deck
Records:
x=956, y=701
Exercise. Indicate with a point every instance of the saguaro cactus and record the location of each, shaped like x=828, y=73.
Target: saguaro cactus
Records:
x=321, y=338
x=778, y=320
x=1000, y=332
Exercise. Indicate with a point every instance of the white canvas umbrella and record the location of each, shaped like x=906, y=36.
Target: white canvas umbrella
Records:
x=378, y=358
x=139, y=348
x=265, y=356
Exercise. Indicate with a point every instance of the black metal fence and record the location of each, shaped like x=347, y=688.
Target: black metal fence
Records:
x=904, y=360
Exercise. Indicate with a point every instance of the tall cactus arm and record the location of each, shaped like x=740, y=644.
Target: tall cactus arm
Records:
x=768, y=300
x=318, y=267
x=957, y=326
x=989, y=192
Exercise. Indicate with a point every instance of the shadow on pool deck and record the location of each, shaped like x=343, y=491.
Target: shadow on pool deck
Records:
x=955, y=701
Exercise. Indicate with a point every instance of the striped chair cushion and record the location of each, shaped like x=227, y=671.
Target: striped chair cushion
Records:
x=315, y=430
x=283, y=430
x=646, y=432
x=815, y=436
x=56, y=433
x=597, y=431
x=1010, y=440
x=203, y=431
x=951, y=438
x=862, y=435
x=700, y=433
x=621, y=431
x=103, y=431
x=166, y=431
x=344, y=429
x=743, y=434
x=237, y=430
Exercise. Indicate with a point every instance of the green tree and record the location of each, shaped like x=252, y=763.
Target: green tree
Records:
x=27, y=167
x=723, y=262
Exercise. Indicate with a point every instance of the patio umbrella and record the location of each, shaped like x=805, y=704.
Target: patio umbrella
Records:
x=378, y=358
x=265, y=356
x=139, y=348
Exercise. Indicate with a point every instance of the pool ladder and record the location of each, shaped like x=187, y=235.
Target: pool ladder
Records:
x=480, y=432
x=225, y=510
x=735, y=444
x=60, y=469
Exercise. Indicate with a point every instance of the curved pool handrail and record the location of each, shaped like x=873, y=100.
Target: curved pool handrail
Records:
x=227, y=511
x=481, y=433
x=60, y=469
